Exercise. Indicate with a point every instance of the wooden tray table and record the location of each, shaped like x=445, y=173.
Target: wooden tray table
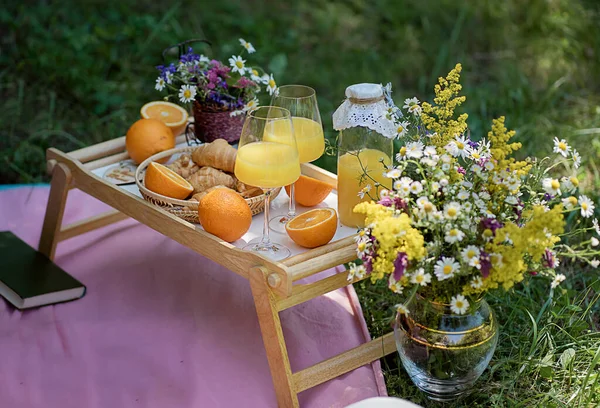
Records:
x=274, y=285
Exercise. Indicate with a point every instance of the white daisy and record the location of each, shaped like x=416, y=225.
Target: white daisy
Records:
x=467, y=206
x=265, y=78
x=401, y=129
x=356, y=272
x=362, y=235
x=496, y=260
x=251, y=105
x=237, y=64
x=551, y=186
x=596, y=226
x=255, y=75
x=435, y=186
x=187, y=93
x=169, y=78
x=595, y=263
x=567, y=184
x=247, y=46
x=394, y=173
x=459, y=304
x=463, y=194
x=587, y=206
x=430, y=151
x=454, y=235
x=160, y=83
x=489, y=166
x=576, y=159
x=401, y=155
x=420, y=277
x=412, y=105
x=557, y=280
x=204, y=58
x=461, y=147
x=401, y=309
x=476, y=282
x=561, y=147
x=445, y=268
x=364, y=191
x=452, y=210
x=362, y=247
x=469, y=253
x=569, y=202
x=512, y=200
x=271, y=85
x=394, y=286
x=416, y=187
x=414, y=150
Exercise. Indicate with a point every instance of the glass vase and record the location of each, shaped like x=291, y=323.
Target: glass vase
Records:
x=445, y=353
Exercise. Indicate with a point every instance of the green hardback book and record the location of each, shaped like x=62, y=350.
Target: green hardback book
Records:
x=29, y=279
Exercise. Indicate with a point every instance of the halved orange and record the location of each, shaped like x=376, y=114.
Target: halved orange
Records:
x=309, y=191
x=313, y=228
x=163, y=180
x=172, y=115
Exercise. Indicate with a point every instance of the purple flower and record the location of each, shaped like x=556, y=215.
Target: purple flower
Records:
x=400, y=204
x=549, y=260
x=245, y=83
x=548, y=197
x=486, y=264
x=368, y=263
x=461, y=170
x=472, y=144
x=400, y=265
x=386, y=201
x=491, y=224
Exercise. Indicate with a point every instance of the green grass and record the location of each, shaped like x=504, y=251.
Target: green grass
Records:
x=75, y=74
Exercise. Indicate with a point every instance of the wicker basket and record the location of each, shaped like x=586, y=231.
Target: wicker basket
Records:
x=185, y=209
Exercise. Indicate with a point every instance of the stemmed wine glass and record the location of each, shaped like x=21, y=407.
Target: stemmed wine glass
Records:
x=267, y=157
x=301, y=101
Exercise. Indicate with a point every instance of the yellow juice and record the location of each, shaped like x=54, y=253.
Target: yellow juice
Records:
x=349, y=182
x=267, y=164
x=308, y=133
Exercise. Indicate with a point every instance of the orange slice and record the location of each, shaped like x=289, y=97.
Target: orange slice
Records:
x=309, y=191
x=163, y=180
x=172, y=115
x=313, y=228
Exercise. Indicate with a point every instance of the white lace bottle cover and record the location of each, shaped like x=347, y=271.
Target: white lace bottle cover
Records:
x=365, y=106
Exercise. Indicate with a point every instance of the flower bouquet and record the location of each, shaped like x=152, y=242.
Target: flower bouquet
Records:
x=221, y=94
x=463, y=217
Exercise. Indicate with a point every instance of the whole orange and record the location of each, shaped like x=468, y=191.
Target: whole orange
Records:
x=146, y=137
x=309, y=191
x=224, y=213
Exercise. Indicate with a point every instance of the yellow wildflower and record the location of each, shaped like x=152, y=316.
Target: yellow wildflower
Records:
x=439, y=118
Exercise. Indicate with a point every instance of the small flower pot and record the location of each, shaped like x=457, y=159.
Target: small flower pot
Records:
x=209, y=125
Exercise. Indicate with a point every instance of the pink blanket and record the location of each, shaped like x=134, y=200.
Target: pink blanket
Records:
x=160, y=326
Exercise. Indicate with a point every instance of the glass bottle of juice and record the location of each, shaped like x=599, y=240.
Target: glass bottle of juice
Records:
x=365, y=149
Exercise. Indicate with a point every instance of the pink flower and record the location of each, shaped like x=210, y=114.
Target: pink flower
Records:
x=245, y=83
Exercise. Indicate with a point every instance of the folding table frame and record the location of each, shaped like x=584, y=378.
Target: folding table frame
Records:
x=274, y=285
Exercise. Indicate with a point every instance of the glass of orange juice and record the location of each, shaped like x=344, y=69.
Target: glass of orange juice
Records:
x=301, y=101
x=267, y=157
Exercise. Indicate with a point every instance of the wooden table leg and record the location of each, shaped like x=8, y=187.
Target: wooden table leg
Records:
x=59, y=188
x=272, y=334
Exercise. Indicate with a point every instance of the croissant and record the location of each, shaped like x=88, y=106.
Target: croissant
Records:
x=218, y=154
x=184, y=166
x=247, y=191
x=208, y=177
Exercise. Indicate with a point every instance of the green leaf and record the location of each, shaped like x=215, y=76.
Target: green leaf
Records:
x=567, y=357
